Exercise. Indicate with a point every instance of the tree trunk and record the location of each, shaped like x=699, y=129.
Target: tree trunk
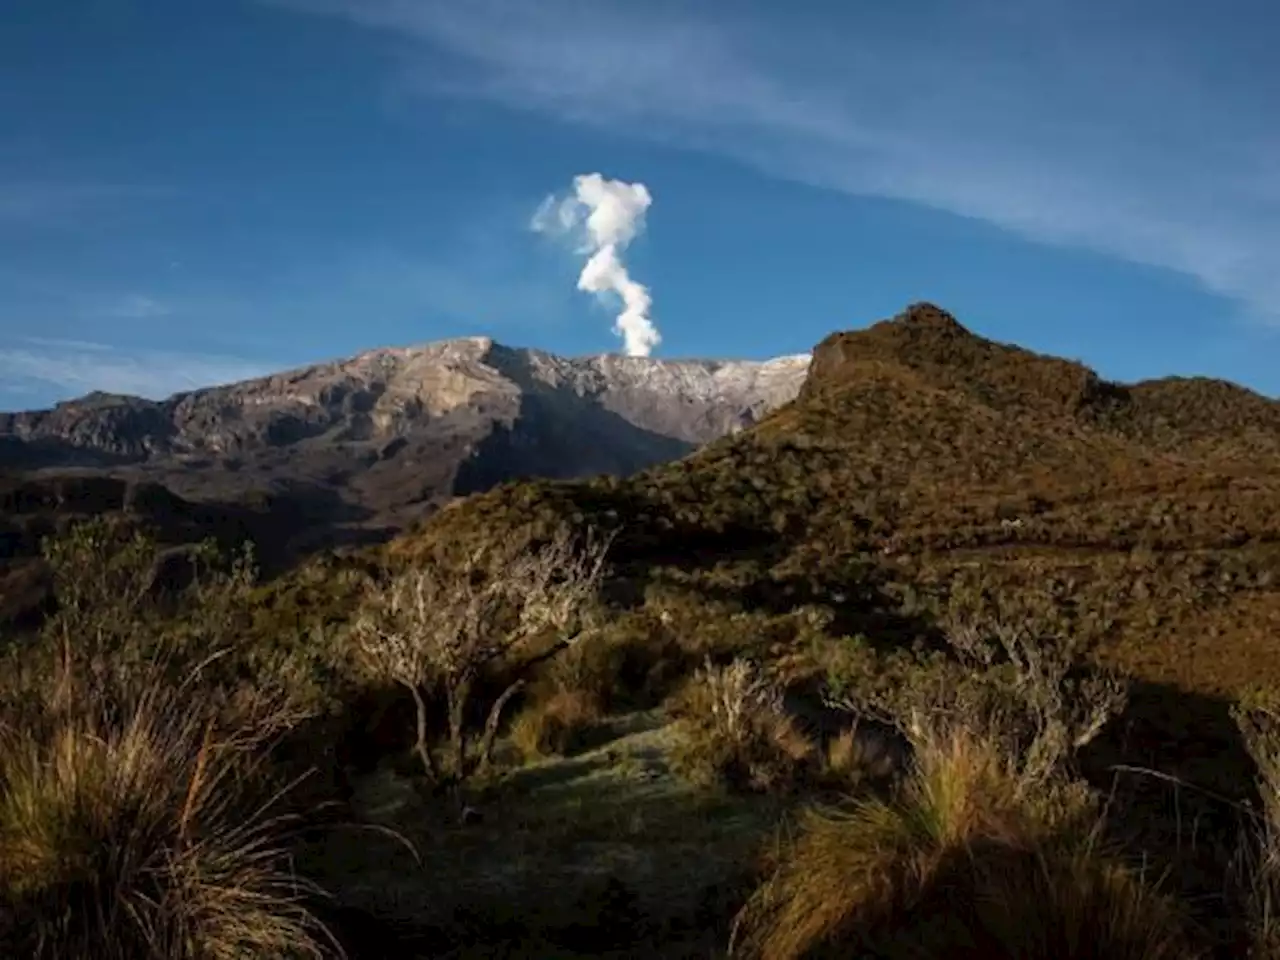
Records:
x=420, y=745
x=459, y=694
x=491, y=724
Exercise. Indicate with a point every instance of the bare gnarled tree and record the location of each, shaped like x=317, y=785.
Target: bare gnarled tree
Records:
x=434, y=628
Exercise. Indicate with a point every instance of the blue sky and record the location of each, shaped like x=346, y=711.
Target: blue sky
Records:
x=195, y=191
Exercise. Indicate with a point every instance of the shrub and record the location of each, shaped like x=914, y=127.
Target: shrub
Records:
x=435, y=628
x=1027, y=693
x=736, y=733
x=556, y=726
x=987, y=842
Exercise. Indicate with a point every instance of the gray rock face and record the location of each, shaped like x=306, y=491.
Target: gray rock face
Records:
x=390, y=432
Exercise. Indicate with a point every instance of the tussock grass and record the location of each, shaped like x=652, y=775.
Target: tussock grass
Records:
x=968, y=858
x=858, y=757
x=133, y=824
x=633, y=663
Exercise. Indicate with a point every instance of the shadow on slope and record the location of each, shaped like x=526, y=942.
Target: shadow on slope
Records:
x=1179, y=778
x=606, y=851
x=280, y=524
x=558, y=435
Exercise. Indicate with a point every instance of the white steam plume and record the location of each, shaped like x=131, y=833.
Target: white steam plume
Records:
x=609, y=214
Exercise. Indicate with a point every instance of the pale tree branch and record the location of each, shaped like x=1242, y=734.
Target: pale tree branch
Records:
x=435, y=628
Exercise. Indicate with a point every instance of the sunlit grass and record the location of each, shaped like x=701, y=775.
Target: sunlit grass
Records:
x=141, y=829
x=968, y=855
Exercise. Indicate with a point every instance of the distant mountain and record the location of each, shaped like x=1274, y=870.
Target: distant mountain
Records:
x=354, y=450
x=389, y=396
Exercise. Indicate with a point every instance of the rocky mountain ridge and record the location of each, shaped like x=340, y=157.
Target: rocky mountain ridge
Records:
x=388, y=394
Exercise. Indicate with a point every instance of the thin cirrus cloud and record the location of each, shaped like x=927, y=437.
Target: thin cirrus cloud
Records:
x=65, y=368
x=136, y=307
x=1126, y=129
x=62, y=204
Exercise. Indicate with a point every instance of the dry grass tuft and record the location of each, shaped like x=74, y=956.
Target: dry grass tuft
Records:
x=965, y=854
x=137, y=829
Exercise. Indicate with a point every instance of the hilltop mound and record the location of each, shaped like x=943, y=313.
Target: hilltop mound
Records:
x=1183, y=415
x=931, y=343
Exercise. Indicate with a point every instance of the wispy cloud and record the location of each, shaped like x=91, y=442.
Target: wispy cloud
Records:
x=136, y=306
x=74, y=367
x=61, y=343
x=1125, y=129
x=46, y=203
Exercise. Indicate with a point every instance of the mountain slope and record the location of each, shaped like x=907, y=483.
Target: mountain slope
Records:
x=920, y=458
x=382, y=395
